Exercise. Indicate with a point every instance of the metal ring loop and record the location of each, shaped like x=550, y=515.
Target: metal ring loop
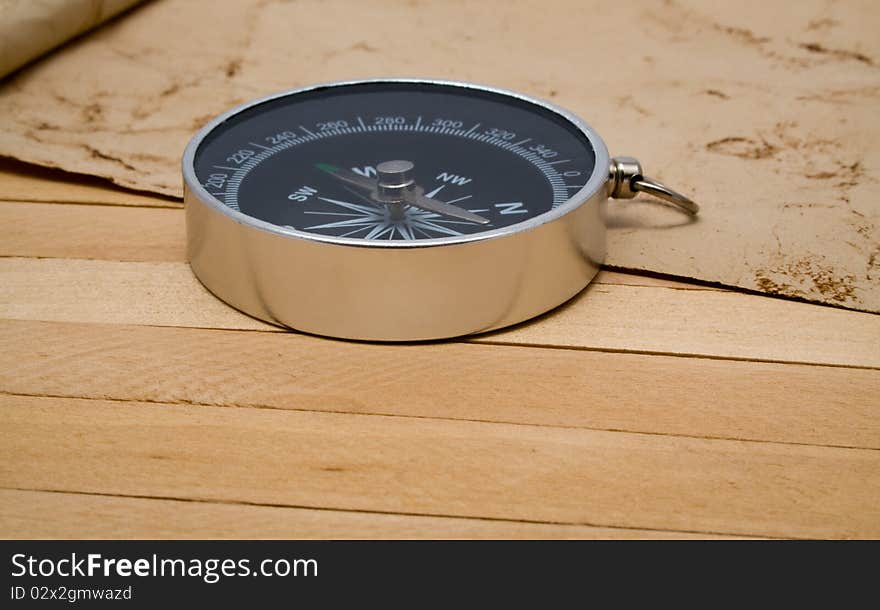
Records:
x=627, y=181
x=661, y=191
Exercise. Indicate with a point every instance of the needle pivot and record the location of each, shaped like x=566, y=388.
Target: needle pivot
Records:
x=395, y=186
x=395, y=179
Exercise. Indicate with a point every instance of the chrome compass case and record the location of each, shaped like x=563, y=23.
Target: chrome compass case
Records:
x=401, y=209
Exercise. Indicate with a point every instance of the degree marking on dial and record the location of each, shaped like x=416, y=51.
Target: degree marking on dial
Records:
x=471, y=130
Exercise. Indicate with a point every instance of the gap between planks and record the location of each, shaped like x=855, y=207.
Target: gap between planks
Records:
x=734, y=325
x=57, y=230
x=29, y=514
x=433, y=468
x=609, y=317
x=794, y=404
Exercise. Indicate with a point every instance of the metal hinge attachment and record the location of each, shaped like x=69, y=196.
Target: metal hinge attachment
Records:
x=627, y=181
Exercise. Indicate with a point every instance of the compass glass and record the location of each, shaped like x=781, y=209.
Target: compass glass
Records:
x=476, y=161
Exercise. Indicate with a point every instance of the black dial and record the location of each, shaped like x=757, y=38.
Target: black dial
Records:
x=308, y=161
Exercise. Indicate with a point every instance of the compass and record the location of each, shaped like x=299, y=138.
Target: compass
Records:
x=400, y=210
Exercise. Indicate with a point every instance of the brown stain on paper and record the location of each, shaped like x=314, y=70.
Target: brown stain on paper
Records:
x=815, y=47
x=717, y=93
x=805, y=275
x=744, y=148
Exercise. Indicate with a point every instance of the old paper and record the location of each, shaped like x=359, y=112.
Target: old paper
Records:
x=29, y=28
x=764, y=111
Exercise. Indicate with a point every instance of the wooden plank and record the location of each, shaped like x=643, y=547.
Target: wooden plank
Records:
x=28, y=515
x=92, y=232
x=604, y=317
x=158, y=294
x=24, y=182
x=567, y=388
x=708, y=323
x=439, y=467
x=149, y=234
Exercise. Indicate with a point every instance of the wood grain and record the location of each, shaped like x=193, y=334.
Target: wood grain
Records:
x=566, y=388
x=707, y=322
x=435, y=467
x=615, y=317
x=81, y=230
x=116, y=425
x=92, y=232
x=58, y=515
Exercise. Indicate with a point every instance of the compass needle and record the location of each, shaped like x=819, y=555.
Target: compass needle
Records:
x=447, y=209
x=406, y=192
x=401, y=209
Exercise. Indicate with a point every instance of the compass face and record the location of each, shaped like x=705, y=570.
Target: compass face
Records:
x=307, y=161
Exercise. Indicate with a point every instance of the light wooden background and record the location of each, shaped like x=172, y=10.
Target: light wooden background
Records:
x=134, y=404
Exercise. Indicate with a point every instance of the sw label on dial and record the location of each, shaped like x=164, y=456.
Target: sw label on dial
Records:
x=471, y=161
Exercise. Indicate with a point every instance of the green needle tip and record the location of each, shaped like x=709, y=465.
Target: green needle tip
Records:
x=326, y=167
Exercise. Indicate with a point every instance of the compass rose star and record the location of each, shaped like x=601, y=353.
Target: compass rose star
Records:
x=376, y=223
